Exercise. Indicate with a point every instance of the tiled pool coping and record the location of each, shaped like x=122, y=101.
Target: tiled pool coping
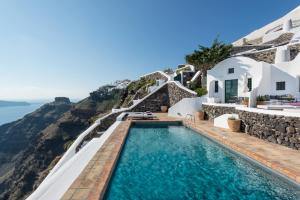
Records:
x=269, y=165
x=93, y=180
x=282, y=160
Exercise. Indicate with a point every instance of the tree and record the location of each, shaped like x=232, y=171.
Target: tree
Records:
x=205, y=58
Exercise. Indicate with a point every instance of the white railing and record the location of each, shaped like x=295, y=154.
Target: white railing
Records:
x=72, y=149
x=58, y=183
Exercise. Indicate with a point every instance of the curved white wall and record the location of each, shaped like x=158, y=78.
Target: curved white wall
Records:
x=289, y=72
x=186, y=106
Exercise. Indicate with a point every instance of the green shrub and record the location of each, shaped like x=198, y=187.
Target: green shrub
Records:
x=194, y=85
x=246, y=98
x=232, y=117
x=261, y=98
x=200, y=91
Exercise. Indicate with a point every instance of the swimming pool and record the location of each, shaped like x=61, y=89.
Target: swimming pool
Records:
x=168, y=161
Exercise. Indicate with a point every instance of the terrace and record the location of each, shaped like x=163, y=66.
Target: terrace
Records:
x=93, y=180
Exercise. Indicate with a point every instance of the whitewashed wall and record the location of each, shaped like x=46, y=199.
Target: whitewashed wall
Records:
x=186, y=106
x=289, y=72
x=242, y=66
x=264, y=76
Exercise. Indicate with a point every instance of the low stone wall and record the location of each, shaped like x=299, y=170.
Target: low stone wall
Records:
x=282, y=39
x=276, y=129
x=256, y=41
x=267, y=56
x=212, y=112
x=294, y=50
x=240, y=49
x=273, y=128
x=155, y=76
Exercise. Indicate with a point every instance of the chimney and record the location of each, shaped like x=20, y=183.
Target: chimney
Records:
x=287, y=25
x=282, y=54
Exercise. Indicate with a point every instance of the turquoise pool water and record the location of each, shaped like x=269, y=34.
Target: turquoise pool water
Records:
x=174, y=162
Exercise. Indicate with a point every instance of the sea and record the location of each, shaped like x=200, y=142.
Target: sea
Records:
x=13, y=113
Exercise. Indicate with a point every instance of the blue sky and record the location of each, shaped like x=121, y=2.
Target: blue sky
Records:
x=70, y=48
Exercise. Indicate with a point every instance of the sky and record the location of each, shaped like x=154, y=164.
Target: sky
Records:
x=69, y=48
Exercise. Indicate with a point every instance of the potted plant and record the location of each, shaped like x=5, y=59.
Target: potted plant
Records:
x=201, y=91
x=200, y=115
x=260, y=100
x=245, y=101
x=234, y=123
x=164, y=107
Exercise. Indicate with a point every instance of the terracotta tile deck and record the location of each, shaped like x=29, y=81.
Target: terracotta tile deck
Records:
x=93, y=180
x=279, y=158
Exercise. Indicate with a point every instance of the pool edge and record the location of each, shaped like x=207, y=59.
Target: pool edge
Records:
x=101, y=184
x=247, y=157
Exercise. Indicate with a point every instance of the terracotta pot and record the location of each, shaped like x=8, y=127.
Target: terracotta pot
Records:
x=164, y=108
x=260, y=103
x=234, y=124
x=200, y=115
x=245, y=102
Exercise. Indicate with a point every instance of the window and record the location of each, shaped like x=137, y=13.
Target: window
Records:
x=216, y=86
x=250, y=84
x=280, y=85
x=230, y=70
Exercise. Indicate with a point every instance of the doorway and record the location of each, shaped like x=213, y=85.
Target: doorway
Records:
x=231, y=91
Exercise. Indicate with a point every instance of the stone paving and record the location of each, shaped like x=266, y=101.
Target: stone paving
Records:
x=93, y=180
x=279, y=158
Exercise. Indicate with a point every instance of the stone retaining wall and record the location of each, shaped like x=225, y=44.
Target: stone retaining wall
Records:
x=273, y=128
x=168, y=95
x=256, y=41
x=154, y=101
x=176, y=94
x=282, y=39
x=267, y=56
x=155, y=76
x=212, y=112
x=294, y=50
x=240, y=49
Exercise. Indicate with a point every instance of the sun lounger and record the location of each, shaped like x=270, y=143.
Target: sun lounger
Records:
x=141, y=115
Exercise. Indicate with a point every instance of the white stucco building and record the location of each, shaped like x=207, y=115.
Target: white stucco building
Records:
x=265, y=62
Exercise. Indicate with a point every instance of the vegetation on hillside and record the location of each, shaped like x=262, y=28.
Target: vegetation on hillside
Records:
x=204, y=58
x=137, y=90
x=201, y=91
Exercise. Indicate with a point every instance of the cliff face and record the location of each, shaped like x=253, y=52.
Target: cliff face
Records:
x=15, y=136
x=31, y=146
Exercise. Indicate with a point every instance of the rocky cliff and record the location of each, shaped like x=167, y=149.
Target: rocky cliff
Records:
x=30, y=146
